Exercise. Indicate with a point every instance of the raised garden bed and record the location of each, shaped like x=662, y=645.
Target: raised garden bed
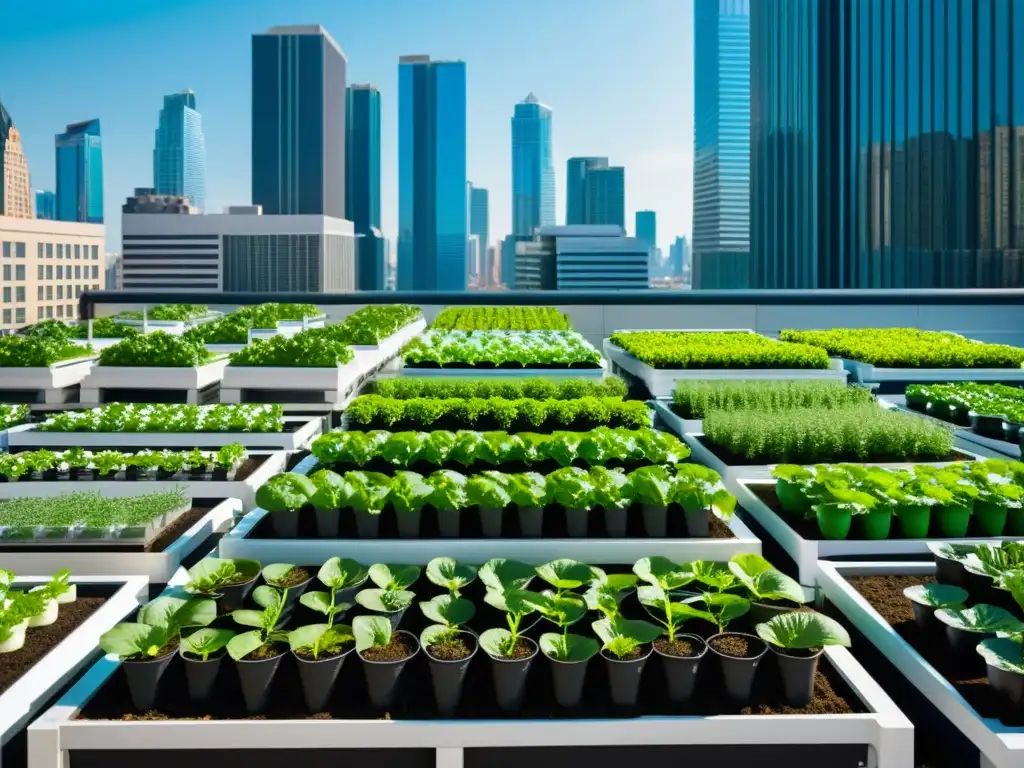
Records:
x=157, y=558
x=661, y=358
x=514, y=318
x=870, y=596
x=291, y=384
x=194, y=386
x=53, y=655
x=53, y=384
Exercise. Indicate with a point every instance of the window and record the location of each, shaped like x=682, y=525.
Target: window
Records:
x=60, y=310
x=96, y=287
x=95, y=253
x=19, y=294
x=7, y=251
x=19, y=250
x=7, y=271
x=49, y=293
x=49, y=311
x=60, y=291
x=19, y=315
x=40, y=250
x=39, y=272
x=49, y=271
x=7, y=295
x=19, y=272
x=95, y=272
x=49, y=250
x=71, y=310
x=39, y=313
x=39, y=293
x=60, y=271
x=78, y=251
x=7, y=317
x=60, y=250
x=78, y=272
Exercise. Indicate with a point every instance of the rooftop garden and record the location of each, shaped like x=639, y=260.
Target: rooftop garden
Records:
x=694, y=399
x=168, y=312
x=24, y=352
x=501, y=319
x=234, y=327
x=956, y=402
x=78, y=464
x=312, y=348
x=717, y=350
x=156, y=350
x=129, y=417
x=59, y=331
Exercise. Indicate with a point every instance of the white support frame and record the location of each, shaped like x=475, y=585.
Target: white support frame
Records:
x=865, y=373
x=51, y=380
x=552, y=374
x=1000, y=746
x=28, y=695
x=143, y=378
x=884, y=729
x=156, y=567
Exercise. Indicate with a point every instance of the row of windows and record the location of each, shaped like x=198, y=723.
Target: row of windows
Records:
x=46, y=251
x=18, y=315
x=46, y=272
x=45, y=293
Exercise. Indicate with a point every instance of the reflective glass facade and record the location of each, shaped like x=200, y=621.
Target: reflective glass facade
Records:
x=533, y=168
x=576, y=169
x=605, y=196
x=298, y=122
x=362, y=158
x=432, y=205
x=647, y=228
x=480, y=215
x=80, y=173
x=721, y=130
x=46, y=204
x=888, y=143
x=179, y=154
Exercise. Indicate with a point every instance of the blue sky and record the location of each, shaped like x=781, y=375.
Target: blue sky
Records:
x=617, y=73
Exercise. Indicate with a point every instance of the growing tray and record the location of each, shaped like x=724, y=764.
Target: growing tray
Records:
x=158, y=563
x=555, y=374
x=144, y=378
x=76, y=648
x=974, y=441
x=31, y=537
x=243, y=489
x=334, y=384
x=807, y=552
x=1000, y=746
x=865, y=373
x=392, y=345
x=297, y=434
x=66, y=373
x=662, y=381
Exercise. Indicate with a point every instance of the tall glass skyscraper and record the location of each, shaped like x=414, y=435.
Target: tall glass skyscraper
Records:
x=606, y=196
x=298, y=122
x=432, y=206
x=80, y=173
x=647, y=228
x=887, y=144
x=179, y=156
x=46, y=204
x=533, y=169
x=362, y=158
x=479, y=215
x=721, y=132
x=576, y=170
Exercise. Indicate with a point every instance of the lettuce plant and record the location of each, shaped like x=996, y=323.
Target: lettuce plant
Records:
x=21, y=352
x=717, y=349
x=501, y=319
x=286, y=492
x=266, y=621
x=409, y=492
x=332, y=492
x=554, y=348
x=58, y=585
x=158, y=349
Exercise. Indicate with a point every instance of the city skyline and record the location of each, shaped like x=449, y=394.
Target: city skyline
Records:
x=494, y=88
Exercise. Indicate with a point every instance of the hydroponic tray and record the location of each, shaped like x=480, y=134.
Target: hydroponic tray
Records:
x=879, y=736
x=807, y=553
x=195, y=381
x=555, y=374
x=297, y=434
x=1000, y=746
x=158, y=566
x=327, y=385
x=174, y=327
x=28, y=695
x=865, y=373
x=29, y=537
x=54, y=384
x=243, y=489
x=999, y=448
x=392, y=345
x=661, y=382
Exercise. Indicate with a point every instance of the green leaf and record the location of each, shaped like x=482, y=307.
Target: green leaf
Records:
x=662, y=572
x=446, y=572
x=209, y=575
x=206, y=641
x=242, y=645
x=437, y=633
x=501, y=574
x=173, y=613
x=803, y=629
x=338, y=573
x=309, y=636
x=448, y=610
x=641, y=632
x=570, y=648
x=385, y=600
x=715, y=575
x=267, y=597
x=937, y=595
x=133, y=639
x=563, y=610
x=565, y=573
x=371, y=632
x=286, y=492
x=394, y=576
x=248, y=618
x=496, y=642
x=509, y=600
x=981, y=618
x=276, y=573
x=1006, y=653
x=321, y=603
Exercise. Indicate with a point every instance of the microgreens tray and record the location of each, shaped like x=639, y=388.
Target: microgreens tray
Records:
x=498, y=351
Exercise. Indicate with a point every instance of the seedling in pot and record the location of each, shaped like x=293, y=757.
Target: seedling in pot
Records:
x=511, y=653
x=229, y=579
x=258, y=653
x=17, y=610
x=338, y=575
x=500, y=574
x=529, y=492
x=320, y=651
x=410, y=492
x=384, y=653
x=449, y=647
x=59, y=588
x=966, y=627
x=568, y=653
x=447, y=573
x=927, y=598
x=284, y=496
x=391, y=596
x=488, y=491
x=1004, y=655
x=654, y=487
x=203, y=651
x=367, y=496
x=332, y=493
x=314, y=641
x=700, y=492
x=574, y=490
x=448, y=497
x=606, y=593
x=566, y=575
x=950, y=560
x=206, y=642
x=765, y=583
x=626, y=648
x=613, y=492
x=798, y=639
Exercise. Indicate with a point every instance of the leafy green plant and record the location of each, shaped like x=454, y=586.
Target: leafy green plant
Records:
x=525, y=348
x=448, y=614
x=30, y=517
x=22, y=352
x=12, y=415
x=624, y=638
x=694, y=399
x=286, y=492
x=58, y=585
x=501, y=319
x=313, y=348
x=103, y=328
x=168, y=312
x=336, y=574
x=266, y=632
x=416, y=387
x=131, y=417
x=716, y=349
x=157, y=626
x=392, y=588
x=207, y=642
x=234, y=327
x=320, y=639
x=937, y=595
x=763, y=581
x=158, y=349
x=500, y=642
x=372, y=324
x=371, y=632
x=451, y=575
x=211, y=575
x=803, y=630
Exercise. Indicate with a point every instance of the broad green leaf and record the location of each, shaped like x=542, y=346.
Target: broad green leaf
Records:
x=307, y=636
x=562, y=610
x=748, y=566
x=617, y=582
x=937, y=595
x=242, y=645
x=206, y=641
x=715, y=575
x=317, y=601
x=570, y=648
x=641, y=632
x=385, y=600
x=248, y=618
x=338, y=573
x=371, y=631
x=775, y=585
x=496, y=642
x=726, y=607
x=501, y=574
x=509, y=601
x=267, y=597
x=446, y=572
x=161, y=611
x=662, y=572
x=565, y=573
x=389, y=576
x=981, y=618
x=803, y=629
x=275, y=573
x=437, y=633
x=448, y=610
x=133, y=639
x=208, y=575
x=1006, y=653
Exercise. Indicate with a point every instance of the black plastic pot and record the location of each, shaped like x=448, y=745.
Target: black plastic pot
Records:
x=681, y=671
x=568, y=678
x=924, y=617
x=987, y=426
x=1009, y=685
x=292, y=596
x=395, y=617
x=615, y=522
x=233, y=596
x=448, y=520
x=490, y=522
x=408, y=524
x=949, y=571
x=318, y=678
x=577, y=521
x=656, y=521
x=144, y=679
x=328, y=523
x=797, y=676
x=963, y=645
x=256, y=677
x=531, y=521
x=201, y=675
x=698, y=524
x=448, y=676
x=509, y=677
x=382, y=676
x=286, y=524
x=738, y=673
x=760, y=613
x=624, y=677
x=367, y=524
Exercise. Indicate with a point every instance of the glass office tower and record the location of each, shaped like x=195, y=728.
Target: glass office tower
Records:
x=362, y=158
x=179, y=154
x=533, y=169
x=80, y=173
x=432, y=206
x=887, y=143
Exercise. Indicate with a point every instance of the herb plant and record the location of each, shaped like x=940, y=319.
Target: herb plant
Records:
x=695, y=399
x=520, y=348
x=22, y=352
x=716, y=349
x=501, y=319
x=158, y=350
x=130, y=417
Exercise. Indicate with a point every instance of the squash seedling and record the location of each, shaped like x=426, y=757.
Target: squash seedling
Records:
x=447, y=573
x=336, y=574
x=266, y=634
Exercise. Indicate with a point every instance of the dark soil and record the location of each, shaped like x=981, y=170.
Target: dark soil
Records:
x=264, y=652
x=307, y=653
x=399, y=648
x=885, y=594
x=169, y=647
x=293, y=578
x=451, y=650
x=523, y=650
x=637, y=653
x=39, y=641
x=734, y=460
x=681, y=648
x=737, y=646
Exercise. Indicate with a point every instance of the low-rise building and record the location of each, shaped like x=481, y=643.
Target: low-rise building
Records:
x=582, y=257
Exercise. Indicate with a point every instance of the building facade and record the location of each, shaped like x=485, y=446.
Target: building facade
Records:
x=721, y=132
x=46, y=204
x=647, y=228
x=362, y=157
x=576, y=170
x=298, y=122
x=679, y=257
x=479, y=214
x=15, y=185
x=114, y=272
x=371, y=261
x=582, y=257
x=606, y=197
x=80, y=173
x=432, y=207
x=887, y=144
x=179, y=152
x=533, y=168
x=45, y=266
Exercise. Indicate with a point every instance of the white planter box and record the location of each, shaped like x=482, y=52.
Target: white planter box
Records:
x=967, y=438
x=144, y=378
x=243, y=490
x=807, y=553
x=50, y=379
x=28, y=435
x=336, y=382
x=157, y=567
x=393, y=344
x=555, y=374
x=530, y=550
x=864, y=373
x=662, y=381
x=173, y=327
x=882, y=728
x=28, y=696
x=1000, y=746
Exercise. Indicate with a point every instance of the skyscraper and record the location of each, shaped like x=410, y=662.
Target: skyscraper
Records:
x=887, y=144
x=179, y=154
x=606, y=196
x=46, y=204
x=479, y=214
x=721, y=132
x=15, y=188
x=362, y=158
x=533, y=170
x=298, y=122
x=432, y=209
x=576, y=187
x=80, y=173
x=679, y=256
x=647, y=228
